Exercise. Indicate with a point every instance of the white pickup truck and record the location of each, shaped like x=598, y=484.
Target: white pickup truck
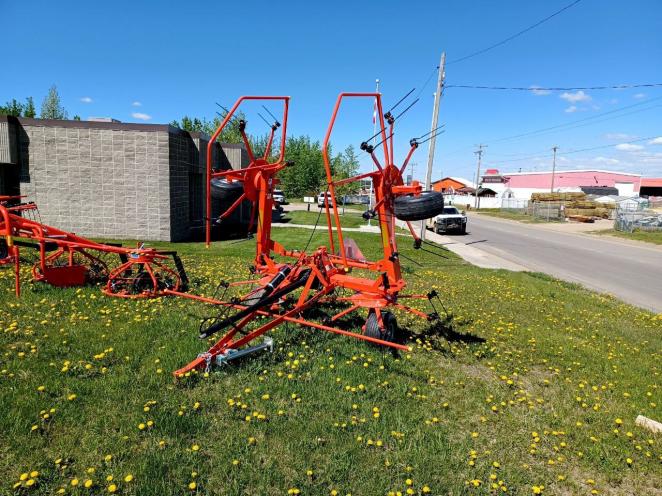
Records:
x=451, y=219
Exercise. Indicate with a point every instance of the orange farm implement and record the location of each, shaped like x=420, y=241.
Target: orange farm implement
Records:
x=66, y=259
x=290, y=285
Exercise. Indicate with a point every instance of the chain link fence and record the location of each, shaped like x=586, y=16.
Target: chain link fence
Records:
x=547, y=211
x=514, y=205
x=630, y=220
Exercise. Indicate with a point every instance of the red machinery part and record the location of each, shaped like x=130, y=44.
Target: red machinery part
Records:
x=318, y=274
x=76, y=261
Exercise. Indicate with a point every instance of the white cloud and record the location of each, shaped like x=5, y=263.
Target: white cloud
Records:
x=571, y=109
x=606, y=160
x=656, y=141
x=577, y=96
x=628, y=147
x=620, y=136
x=141, y=116
x=639, y=96
x=136, y=104
x=539, y=92
x=86, y=99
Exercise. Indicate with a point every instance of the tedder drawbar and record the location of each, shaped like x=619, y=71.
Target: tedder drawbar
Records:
x=288, y=283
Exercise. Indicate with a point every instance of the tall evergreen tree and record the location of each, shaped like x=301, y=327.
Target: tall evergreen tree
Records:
x=51, y=108
x=29, y=109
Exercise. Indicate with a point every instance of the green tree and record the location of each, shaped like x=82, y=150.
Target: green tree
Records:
x=29, y=109
x=230, y=134
x=51, y=108
x=345, y=165
x=14, y=108
x=307, y=177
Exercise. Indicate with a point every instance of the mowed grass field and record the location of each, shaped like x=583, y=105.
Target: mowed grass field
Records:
x=546, y=404
x=348, y=218
x=654, y=237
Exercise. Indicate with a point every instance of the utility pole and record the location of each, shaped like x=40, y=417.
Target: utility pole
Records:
x=554, y=148
x=478, y=152
x=435, y=119
x=375, y=118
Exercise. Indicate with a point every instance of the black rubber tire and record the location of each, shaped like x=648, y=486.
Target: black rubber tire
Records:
x=389, y=333
x=221, y=189
x=464, y=229
x=421, y=207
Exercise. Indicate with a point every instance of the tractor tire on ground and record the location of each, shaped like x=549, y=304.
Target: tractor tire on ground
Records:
x=221, y=189
x=421, y=207
x=389, y=333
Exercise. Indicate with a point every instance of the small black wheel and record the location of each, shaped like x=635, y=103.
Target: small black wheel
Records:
x=421, y=207
x=221, y=189
x=464, y=229
x=389, y=333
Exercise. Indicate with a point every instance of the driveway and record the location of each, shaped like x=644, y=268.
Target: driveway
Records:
x=630, y=271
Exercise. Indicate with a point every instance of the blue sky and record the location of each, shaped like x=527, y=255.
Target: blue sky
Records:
x=154, y=61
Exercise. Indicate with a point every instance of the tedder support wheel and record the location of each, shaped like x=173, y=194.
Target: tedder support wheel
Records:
x=221, y=189
x=421, y=207
x=390, y=331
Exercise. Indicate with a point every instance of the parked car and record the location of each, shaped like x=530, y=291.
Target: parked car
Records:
x=450, y=219
x=279, y=197
x=320, y=199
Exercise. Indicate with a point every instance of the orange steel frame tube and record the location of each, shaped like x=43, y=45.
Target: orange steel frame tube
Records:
x=219, y=130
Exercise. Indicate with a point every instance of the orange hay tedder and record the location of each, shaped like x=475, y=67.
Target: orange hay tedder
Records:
x=289, y=283
x=66, y=259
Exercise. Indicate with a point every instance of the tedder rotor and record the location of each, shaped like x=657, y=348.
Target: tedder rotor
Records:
x=290, y=282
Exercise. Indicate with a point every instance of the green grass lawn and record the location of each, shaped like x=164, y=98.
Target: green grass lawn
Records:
x=647, y=236
x=349, y=218
x=546, y=403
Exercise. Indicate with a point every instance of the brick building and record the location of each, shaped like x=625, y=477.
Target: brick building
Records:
x=111, y=179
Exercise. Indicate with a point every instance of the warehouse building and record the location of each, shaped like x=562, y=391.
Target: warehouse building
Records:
x=110, y=179
x=520, y=185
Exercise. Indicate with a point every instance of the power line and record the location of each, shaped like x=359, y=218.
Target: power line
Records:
x=569, y=152
x=574, y=124
x=554, y=88
x=502, y=42
x=577, y=122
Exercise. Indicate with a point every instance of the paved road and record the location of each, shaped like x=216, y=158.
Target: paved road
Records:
x=631, y=272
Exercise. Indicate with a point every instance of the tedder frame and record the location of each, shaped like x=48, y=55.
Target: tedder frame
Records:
x=322, y=274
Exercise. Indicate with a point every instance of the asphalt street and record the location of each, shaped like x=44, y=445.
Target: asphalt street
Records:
x=630, y=271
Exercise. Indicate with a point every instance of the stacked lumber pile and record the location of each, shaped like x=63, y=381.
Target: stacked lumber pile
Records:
x=576, y=205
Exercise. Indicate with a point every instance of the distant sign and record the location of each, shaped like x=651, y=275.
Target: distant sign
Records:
x=309, y=199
